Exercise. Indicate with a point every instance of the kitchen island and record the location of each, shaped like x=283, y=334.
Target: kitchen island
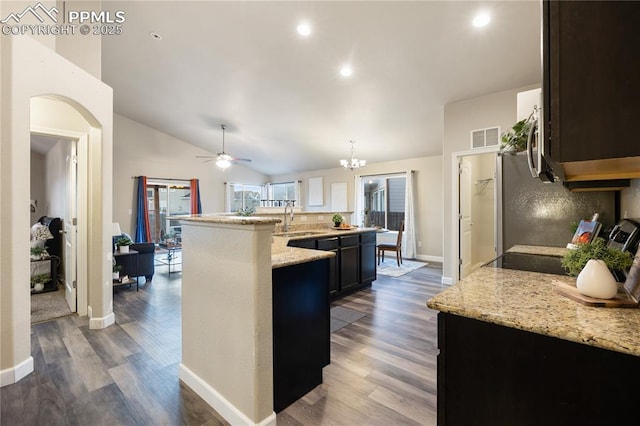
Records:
x=354, y=265
x=255, y=316
x=512, y=351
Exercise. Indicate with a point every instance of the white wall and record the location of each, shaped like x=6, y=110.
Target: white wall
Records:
x=428, y=188
x=38, y=185
x=460, y=118
x=139, y=150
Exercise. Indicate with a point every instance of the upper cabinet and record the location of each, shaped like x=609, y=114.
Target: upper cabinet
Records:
x=591, y=84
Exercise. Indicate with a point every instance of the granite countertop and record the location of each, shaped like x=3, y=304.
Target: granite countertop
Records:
x=539, y=250
x=283, y=255
x=320, y=233
x=526, y=301
x=226, y=218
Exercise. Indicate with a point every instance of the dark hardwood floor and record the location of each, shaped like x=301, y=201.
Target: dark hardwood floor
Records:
x=383, y=366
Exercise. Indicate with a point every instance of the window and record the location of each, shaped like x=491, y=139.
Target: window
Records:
x=384, y=200
x=164, y=200
x=242, y=196
x=283, y=191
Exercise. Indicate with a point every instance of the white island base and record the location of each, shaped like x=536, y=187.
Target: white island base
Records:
x=227, y=338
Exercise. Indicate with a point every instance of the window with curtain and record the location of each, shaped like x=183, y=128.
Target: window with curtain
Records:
x=384, y=200
x=165, y=200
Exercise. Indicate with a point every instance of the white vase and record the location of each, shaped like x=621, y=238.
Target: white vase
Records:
x=595, y=280
x=124, y=249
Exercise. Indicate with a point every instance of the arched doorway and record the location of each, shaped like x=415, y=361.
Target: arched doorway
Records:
x=31, y=70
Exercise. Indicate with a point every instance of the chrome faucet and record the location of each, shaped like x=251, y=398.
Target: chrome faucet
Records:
x=286, y=225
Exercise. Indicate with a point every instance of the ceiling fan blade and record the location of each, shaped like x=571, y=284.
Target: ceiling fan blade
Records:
x=204, y=156
x=240, y=159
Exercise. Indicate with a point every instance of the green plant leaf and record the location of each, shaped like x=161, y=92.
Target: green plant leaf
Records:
x=574, y=260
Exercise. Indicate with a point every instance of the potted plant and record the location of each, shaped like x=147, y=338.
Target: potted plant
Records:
x=515, y=139
x=37, y=252
x=576, y=259
x=337, y=219
x=38, y=281
x=123, y=244
x=116, y=272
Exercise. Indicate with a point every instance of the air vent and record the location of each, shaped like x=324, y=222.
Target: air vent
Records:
x=482, y=138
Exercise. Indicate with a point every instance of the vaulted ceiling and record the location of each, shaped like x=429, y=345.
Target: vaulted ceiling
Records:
x=281, y=95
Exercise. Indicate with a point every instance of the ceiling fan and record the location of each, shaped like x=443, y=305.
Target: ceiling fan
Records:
x=223, y=160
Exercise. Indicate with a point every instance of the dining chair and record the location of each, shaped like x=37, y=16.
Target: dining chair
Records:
x=397, y=247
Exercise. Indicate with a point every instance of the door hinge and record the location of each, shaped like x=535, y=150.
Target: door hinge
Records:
x=460, y=217
x=74, y=159
x=74, y=221
x=459, y=261
x=75, y=284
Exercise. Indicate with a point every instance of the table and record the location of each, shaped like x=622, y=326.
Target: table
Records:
x=171, y=255
x=44, y=268
x=129, y=262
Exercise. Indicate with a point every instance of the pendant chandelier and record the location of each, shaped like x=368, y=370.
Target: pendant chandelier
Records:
x=353, y=163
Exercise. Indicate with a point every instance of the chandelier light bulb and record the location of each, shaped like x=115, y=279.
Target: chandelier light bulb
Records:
x=353, y=163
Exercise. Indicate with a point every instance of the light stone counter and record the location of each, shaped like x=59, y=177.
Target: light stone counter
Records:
x=526, y=301
x=282, y=255
x=227, y=219
x=539, y=250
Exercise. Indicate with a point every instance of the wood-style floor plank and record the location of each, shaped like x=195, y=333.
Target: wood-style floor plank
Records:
x=382, y=371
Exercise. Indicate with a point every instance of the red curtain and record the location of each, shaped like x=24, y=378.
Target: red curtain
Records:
x=196, y=207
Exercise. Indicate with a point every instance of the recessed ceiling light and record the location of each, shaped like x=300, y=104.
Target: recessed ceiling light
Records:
x=155, y=36
x=304, y=29
x=346, y=71
x=481, y=20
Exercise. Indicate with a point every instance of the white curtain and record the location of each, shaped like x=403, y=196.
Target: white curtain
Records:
x=409, y=237
x=358, y=202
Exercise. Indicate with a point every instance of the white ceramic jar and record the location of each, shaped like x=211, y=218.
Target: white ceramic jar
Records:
x=595, y=280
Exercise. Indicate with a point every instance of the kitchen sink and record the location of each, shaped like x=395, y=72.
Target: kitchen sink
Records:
x=298, y=233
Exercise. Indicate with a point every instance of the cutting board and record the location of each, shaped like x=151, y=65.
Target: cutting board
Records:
x=621, y=300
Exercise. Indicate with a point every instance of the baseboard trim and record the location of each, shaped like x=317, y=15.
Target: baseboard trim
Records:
x=12, y=375
x=427, y=258
x=103, y=322
x=446, y=280
x=218, y=402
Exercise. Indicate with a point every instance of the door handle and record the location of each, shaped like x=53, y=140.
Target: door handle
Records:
x=62, y=231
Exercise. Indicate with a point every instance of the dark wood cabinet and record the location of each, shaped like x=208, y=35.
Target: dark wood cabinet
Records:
x=353, y=267
x=332, y=244
x=591, y=88
x=368, y=257
x=301, y=345
x=494, y=375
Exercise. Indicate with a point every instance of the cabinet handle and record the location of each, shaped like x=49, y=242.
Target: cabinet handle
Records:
x=532, y=166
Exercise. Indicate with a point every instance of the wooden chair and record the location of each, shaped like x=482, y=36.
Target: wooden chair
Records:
x=397, y=247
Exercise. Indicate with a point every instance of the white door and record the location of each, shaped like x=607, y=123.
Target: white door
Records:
x=70, y=227
x=464, y=216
